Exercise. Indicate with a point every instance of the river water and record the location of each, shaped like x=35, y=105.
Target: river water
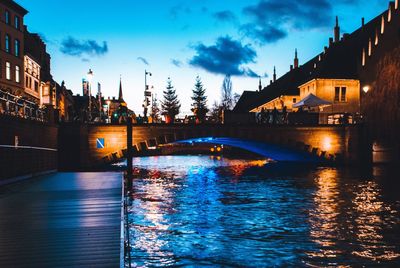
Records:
x=202, y=211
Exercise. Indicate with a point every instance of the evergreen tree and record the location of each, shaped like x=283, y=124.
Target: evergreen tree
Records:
x=199, y=100
x=170, y=105
x=227, y=98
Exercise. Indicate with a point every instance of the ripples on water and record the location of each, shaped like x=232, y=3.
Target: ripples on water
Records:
x=202, y=211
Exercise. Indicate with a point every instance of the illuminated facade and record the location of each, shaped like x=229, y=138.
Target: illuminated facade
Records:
x=32, y=78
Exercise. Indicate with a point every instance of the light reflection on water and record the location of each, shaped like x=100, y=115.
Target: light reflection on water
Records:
x=200, y=211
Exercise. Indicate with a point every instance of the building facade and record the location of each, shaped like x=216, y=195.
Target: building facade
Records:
x=12, y=47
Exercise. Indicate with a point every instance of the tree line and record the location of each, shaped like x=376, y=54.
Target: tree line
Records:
x=170, y=105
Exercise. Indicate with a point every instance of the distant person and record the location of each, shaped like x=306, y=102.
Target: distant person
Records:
x=274, y=116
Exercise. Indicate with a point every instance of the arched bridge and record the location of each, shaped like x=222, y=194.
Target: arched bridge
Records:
x=90, y=145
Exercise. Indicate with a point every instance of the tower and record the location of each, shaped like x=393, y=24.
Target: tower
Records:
x=259, y=85
x=120, y=96
x=336, y=31
x=296, y=59
x=274, y=76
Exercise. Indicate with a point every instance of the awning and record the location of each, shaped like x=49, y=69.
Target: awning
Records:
x=311, y=101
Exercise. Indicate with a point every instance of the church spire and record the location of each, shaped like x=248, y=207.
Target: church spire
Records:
x=296, y=59
x=120, y=96
x=274, y=76
x=337, y=30
x=259, y=84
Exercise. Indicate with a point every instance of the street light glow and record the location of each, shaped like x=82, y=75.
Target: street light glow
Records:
x=366, y=89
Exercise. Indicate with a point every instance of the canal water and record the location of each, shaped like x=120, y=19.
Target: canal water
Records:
x=202, y=211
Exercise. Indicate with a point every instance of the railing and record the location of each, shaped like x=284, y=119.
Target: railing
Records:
x=12, y=105
x=16, y=161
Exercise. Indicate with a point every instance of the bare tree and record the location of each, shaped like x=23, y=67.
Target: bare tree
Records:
x=227, y=98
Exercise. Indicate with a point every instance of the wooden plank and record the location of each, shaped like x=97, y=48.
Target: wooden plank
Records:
x=61, y=220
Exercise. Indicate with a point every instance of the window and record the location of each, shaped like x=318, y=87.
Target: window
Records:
x=8, y=70
x=340, y=94
x=7, y=16
x=16, y=22
x=36, y=86
x=294, y=100
x=16, y=48
x=337, y=93
x=7, y=45
x=17, y=72
x=343, y=95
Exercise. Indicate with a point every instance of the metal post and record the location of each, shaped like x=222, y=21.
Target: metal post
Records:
x=129, y=139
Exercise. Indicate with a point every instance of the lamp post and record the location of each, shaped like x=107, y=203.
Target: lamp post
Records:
x=108, y=110
x=146, y=73
x=90, y=78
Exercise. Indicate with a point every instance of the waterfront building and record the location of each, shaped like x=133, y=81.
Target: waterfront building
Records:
x=341, y=74
x=12, y=47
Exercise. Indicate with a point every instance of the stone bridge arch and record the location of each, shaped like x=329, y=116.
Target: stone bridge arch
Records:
x=332, y=143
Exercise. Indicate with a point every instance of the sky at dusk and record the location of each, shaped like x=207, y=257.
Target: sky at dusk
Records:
x=182, y=39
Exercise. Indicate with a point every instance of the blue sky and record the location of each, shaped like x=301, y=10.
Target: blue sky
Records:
x=183, y=39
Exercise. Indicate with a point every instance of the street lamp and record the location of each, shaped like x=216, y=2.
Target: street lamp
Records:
x=146, y=88
x=90, y=78
x=366, y=89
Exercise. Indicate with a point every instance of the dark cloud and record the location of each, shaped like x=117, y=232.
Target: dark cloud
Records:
x=177, y=63
x=77, y=48
x=143, y=60
x=271, y=20
x=225, y=16
x=227, y=56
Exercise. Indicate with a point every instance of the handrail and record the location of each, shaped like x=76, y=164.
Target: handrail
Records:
x=28, y=147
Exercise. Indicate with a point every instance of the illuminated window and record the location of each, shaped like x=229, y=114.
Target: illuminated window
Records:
x=7, y=44
x=8, y=70
x=16, y=22
x=16, y=48
x=17, y=72
x=337, y=93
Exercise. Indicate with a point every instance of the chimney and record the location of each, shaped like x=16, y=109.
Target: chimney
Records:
x=259, y=85
x=296, y=60
x=274, y=76
x=362, y=22
x=291, y=67
x=325, y=49
x=330, y=41
x=383, y=24
x=336, y=30
x=270, y=82
x=389, y=12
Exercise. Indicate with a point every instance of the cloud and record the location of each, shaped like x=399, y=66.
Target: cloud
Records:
x=225, y=16
x=227, y=56
x=77, y=48
x=143, y=60
x=177, y=63
x=271, y=20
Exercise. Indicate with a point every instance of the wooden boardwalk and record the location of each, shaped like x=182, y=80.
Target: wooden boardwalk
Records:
x=61, y=220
